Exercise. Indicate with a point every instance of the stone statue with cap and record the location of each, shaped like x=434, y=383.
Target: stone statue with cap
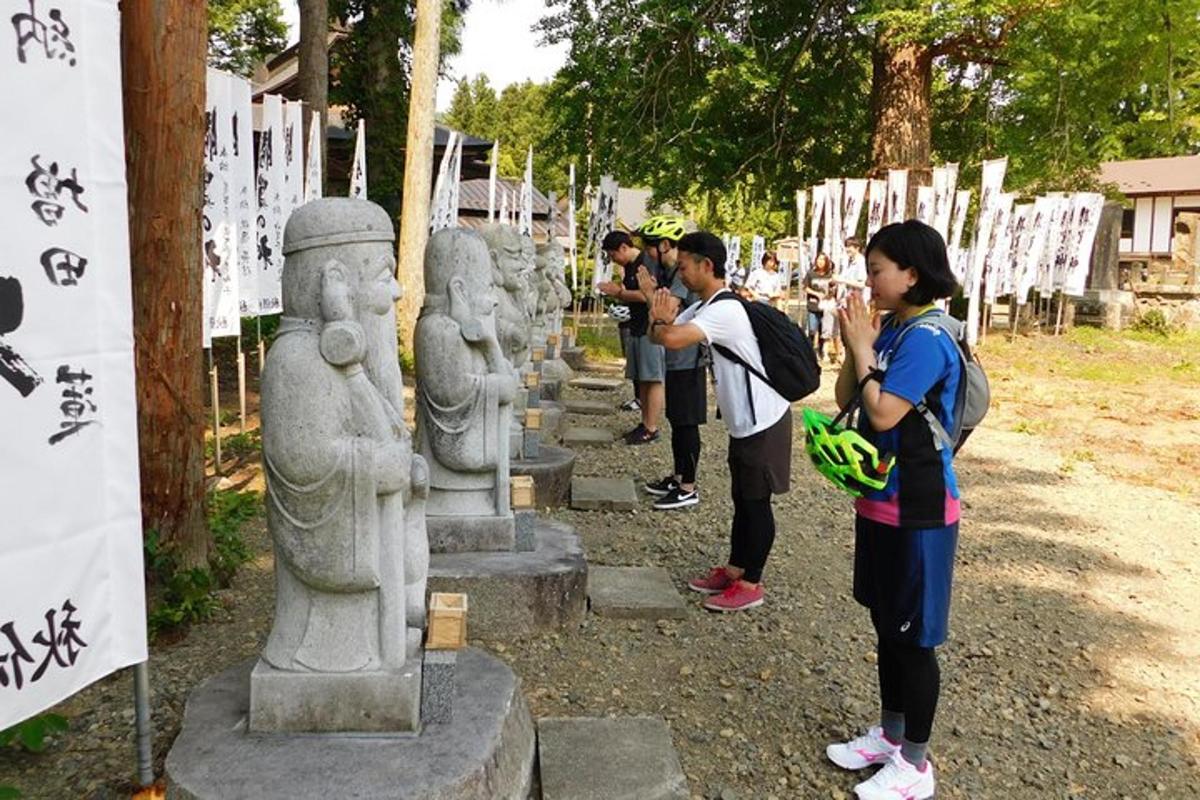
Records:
x=345, y=492
x=465, y=390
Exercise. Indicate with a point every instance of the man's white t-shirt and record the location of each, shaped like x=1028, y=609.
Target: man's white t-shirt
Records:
x=726, y=323
x=764, y=284
x=856, y=270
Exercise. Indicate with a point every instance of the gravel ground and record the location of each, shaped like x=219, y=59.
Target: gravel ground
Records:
x=1069, y=672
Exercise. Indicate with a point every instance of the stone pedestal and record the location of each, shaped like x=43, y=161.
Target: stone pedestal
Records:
x=485, y=750
x=552, y=416
x=574, y=357
x=551, y=472
x=326, y=702
x=517, y=593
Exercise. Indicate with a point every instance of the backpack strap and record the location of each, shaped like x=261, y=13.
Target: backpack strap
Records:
x=735, y=358
x=942, y=438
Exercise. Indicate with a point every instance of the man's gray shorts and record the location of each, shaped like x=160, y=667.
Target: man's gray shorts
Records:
x=644, y=360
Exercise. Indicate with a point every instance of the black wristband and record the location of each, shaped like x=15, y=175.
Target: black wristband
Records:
x=876, y=374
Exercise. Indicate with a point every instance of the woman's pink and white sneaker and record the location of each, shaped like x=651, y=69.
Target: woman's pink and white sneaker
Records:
x=868, y=750
x=716, y=581
x=898, y=780
x=740, y=596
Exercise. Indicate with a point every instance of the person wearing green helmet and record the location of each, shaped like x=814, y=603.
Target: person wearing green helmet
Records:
x=686, y=387
x=906, y=516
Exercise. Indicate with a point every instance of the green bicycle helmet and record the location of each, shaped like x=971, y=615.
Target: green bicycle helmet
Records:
x=843, y=456
x=663, y=226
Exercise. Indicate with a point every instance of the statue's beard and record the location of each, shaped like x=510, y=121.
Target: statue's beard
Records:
x=382, y=360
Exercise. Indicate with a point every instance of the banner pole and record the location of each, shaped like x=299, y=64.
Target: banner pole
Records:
x=143, y=723
x=241, y=367
x=216, y=406
x=262, y=351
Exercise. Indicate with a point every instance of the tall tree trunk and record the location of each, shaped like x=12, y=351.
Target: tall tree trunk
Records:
x=163, y=47
x=313, y=67
x=901, y=81
x=418, y=167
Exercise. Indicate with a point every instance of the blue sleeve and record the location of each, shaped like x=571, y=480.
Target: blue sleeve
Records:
x=921, y=360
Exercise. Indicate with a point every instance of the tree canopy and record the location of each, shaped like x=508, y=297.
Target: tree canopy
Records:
x=241, y=33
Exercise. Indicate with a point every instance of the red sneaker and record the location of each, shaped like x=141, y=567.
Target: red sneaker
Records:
x=738, y=597
x=715, y=582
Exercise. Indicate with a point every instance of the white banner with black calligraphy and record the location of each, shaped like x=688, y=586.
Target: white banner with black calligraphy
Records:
x=441, y=214
x=897, y=182
x=818, y=214
x=218, y=222
x=1032, y=245
x=313, y=171
x=525, y=218
x=245, y=205
x=758, y=248
x=876, y=204
x=852, y=204
x=601, y=221
x=924, y=205
x=833, y=221
x=358, y=170
x=958, y=221
x=72, y=606
x=945, y=178
x=269, y=191
x=293, y=158
x=734, y=275
x=1085, y=221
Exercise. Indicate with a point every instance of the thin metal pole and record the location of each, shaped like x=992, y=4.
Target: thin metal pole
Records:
x=145, y=727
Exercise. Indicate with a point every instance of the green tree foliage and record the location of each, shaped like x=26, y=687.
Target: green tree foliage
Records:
x=519, y=117
x=241, y=33
x=725, y=108
x=370, y=77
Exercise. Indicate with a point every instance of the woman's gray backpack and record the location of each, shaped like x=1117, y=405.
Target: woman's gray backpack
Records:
x=974, y=395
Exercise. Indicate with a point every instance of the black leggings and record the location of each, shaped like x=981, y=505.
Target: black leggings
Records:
x=751, y=536
x=685, y=447
x=909, y=681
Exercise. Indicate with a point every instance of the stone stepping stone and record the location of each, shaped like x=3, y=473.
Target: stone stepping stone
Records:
x=603, y=494
x=589, y=407
x=596, y=384
x=630, y=758
x=577, y=436
x=634, y=593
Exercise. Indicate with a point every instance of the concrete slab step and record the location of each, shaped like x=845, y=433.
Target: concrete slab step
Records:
x=603, y=494
x=634, y=593
x=596, y=408
x=578, y=436
x=596, y=384
x=631, y=758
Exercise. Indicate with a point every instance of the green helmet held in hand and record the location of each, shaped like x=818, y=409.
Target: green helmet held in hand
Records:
x=844, y=456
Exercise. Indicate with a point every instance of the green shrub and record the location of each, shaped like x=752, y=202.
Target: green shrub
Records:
x=227, y=512
x=1154, y=321
x=31, y=734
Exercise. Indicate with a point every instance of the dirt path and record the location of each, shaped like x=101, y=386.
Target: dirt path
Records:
x=1069, y=672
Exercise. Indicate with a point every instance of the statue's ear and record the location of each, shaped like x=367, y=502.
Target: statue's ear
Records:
x=461, y=311
x=336, y=299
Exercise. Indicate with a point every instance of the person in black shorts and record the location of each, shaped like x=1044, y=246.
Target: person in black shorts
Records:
x=686, y=383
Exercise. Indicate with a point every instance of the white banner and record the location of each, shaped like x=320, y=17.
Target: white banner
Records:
x=962, y=201
x=1032, y=245
x=492, y=180
x=802, y=258
x=268, y=180
x=218, y=226
x=833, y=221
x=245, y=206
x=997, y=264
x=358, y=171
x=852, y=204
x=876, y=204
x=758, y=248
x=441, y=212
x=71, y=578
x=313, y=172
x=897, y=181
x=293, y=158
x=1085, y=221
x=601, y=221
x=733, y=262
x=525, y=221
x=1060, y=218
x=924, y=205
x=945, y=179
x=992, y=184
x=818, y=214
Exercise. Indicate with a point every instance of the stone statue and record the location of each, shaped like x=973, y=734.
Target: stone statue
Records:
x=465, y=391
x=509, y=270
x=559, y=294
x=345, y=493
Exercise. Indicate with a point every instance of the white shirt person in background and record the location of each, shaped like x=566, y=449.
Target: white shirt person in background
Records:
x=854, y=275
x=765, y=284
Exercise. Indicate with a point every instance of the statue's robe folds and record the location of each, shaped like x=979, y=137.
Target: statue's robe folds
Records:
x=335, y=514
x=462, y=427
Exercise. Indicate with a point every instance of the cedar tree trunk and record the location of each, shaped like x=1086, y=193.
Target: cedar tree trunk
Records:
x=313, y=67
x=163, y=47
x=901, y=79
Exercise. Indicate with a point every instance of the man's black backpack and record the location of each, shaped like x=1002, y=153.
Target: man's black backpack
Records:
x=787, y=354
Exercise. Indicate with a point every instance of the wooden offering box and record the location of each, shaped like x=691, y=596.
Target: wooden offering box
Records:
x=447, y=621
x=522, y=491
x=533, y=419
x=533, y=379
x=552, y=338
x=538, y=354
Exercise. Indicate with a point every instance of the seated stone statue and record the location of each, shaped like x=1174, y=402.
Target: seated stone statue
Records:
x=465, y=390
x=345, y=493
x=557, y=294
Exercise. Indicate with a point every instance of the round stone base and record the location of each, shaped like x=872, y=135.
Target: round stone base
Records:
x=486, y=749
x=551, y=473
x=522, y=592
x=557, y=370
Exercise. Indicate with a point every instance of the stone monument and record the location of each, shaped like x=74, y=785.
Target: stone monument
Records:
x=333, y=707
x=464, y=391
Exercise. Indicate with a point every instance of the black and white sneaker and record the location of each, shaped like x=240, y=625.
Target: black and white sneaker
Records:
x=661, y=487
x=677, y=498
x=631, y=405
x=634, y=433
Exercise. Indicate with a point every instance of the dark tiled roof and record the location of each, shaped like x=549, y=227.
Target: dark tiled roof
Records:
x=473, y=195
